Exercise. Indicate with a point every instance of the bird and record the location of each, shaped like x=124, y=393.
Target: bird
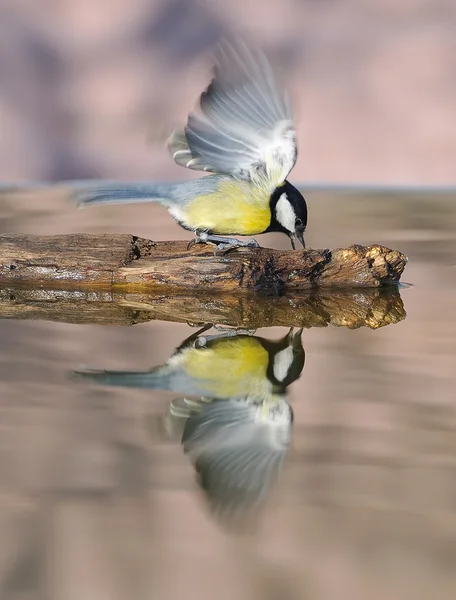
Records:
x=244, y=138
x=229, y=364
x=234, y=421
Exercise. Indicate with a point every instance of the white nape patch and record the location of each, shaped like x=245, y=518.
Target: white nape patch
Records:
x=285, y=213
x=282, y=363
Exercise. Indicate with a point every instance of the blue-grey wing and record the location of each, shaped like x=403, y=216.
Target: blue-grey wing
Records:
x=245, y=126
x=236, y=453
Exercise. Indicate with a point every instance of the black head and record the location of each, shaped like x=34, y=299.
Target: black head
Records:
x=288, y=212
x=286, y=358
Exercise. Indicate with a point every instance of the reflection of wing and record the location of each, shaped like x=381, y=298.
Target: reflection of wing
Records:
x=245, y=126
x=238, y=447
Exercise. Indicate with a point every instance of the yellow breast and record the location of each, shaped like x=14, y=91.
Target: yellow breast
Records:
x=230, y=367
x=235, y=208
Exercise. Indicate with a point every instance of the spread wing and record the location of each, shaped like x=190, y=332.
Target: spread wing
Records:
x=245, y=127
x=237, y=455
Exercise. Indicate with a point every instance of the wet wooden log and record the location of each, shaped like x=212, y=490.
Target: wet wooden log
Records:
x=371, y=308
x=86, y=261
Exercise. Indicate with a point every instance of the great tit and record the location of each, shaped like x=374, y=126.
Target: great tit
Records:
x=244, y=136
x=229, y=364
x=237, y=427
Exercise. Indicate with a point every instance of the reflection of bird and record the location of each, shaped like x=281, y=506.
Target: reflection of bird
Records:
x=237, y=447
x=218, y=366
x=237, y=428
x=244, y=135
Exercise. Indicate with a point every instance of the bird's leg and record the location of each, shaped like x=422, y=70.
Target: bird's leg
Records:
x=190, y=340
x=238, y=330
x=203, y=340
x=223, y=244
x=232, y=244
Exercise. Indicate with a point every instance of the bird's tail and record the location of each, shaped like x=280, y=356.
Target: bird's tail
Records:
x=163, y=377
x=105, y=192
x=157, y=378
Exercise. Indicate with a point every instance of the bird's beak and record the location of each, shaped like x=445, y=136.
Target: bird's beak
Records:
x=300, y=236
x=294, y=339
x=297, y=341
x=297, y=235
x=290, y=335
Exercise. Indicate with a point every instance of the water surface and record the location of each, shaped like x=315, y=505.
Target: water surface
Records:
x=99, y=499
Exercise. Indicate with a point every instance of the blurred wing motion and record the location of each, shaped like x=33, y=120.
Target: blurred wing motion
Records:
x=245, y=127
x=238, y=448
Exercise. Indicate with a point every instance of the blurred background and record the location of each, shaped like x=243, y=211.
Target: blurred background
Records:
x=94, y=503
x=92, y=88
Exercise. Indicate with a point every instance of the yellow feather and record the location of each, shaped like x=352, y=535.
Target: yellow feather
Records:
x=236, y=208
x=230, y=367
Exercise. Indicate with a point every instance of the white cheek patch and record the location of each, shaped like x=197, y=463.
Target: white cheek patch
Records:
x=285, y=214
x=282, y=363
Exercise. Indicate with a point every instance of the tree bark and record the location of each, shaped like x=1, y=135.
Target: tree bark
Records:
x=129, y=263
x=371, y=308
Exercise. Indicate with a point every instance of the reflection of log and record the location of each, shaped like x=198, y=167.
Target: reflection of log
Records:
x=372, y=308
x=83, y=261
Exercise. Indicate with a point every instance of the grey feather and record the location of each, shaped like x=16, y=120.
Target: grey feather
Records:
x=158, y=378
x=93, y=192
x=107, y=192
x=182, y=155
x=236, y=454
x=165, y=377
x=245, y=127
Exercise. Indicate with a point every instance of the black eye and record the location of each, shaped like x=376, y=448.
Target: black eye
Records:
x=298, y=223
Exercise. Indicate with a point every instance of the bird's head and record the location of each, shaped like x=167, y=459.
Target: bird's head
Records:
x=289, y=213
x=286, y=359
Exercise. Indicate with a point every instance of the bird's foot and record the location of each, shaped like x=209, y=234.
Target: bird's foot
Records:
x=223, y=244
x=232, y=244
x=196, y=325
x=203, y=340
x=237, y=330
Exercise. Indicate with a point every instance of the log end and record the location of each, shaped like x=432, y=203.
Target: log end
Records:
x=387, y=265
x=364, y=266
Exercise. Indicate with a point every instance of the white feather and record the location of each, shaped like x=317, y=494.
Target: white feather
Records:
x=245, y=127
x=282, y=363
x=177, y=212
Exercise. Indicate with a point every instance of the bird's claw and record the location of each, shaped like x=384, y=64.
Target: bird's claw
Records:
x=196, y=325
x=202, y=340
x=201, y=237
x=236, y=330
x=223, y=245
x=233, y=244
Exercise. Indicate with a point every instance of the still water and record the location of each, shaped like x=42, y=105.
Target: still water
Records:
x=271, y=464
